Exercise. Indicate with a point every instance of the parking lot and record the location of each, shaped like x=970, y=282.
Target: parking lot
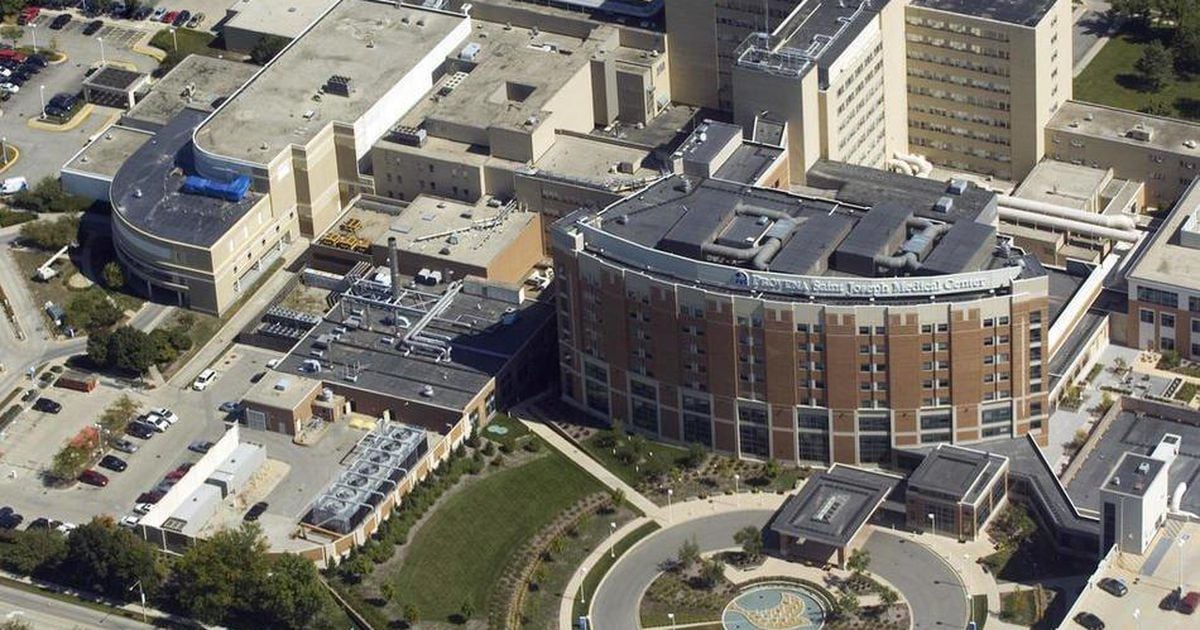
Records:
x=29, y=444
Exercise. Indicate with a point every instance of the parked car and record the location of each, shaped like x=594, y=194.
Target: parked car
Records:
x=37, y=60
x=123, y=445
x=1188, y=604
x=139, y=430
x=181, y=18
x=158, y=423
x=200, y=446
x=142, y=13
x=13, y=185
x=169, y=17
x=28, y=14
x=204, y=379
x=1114, y=586
x=130, y=521
x=230, y=406
x=273, y=363
x=64, y=528
x=1171, y=601
x=158, y=14
x=142, y=508
x=166, y=414
x=1089, y=621
x=151, y=497
x=9, y=519
x=40, y=522
x=46, y=405
x=29, y=395
x=93, y=478
x=175, y=475
x=113, y=463
x=91, y=27
x=10, y=87
x=196, y=20
x=256, y=511
x=59, y=22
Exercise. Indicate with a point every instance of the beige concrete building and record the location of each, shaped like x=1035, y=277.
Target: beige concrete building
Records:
x=248, y=21
x=1162, y=153
x=984, y=79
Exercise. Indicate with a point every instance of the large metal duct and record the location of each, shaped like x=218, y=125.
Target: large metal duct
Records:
x=1120, y=222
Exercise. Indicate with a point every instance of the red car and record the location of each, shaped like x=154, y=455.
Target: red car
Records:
x=169, y=17
x=8, y=54
x=93, y=478
x=27, y=15
x=1188, y=604
x=149, y=497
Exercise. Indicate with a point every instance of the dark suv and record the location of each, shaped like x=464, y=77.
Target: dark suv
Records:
x=47, y=405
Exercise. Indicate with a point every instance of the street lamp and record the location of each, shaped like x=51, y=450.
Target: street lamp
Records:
x=4, y=161
x=42, y=93
x=142, y=594
x=612, y=547
x=33, y=30
x=736, y=479
x=583, y=586
x=933, y=521
x=1182, y=540
x=669, y=493
x=671, y=616
x=174, y=39
x=1137, y=612
x=102, y=60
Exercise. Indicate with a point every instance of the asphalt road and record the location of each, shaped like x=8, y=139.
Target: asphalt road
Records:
x=615, y=605
x=935, y=593
x=44, y=612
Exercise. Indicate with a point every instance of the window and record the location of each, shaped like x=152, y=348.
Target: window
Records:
x=874, y=423
x=813, y=447
x=755, y=440
x=874, y=448
x=997, y=415
x=1158, y=296
x=1166, y=320
x=864, y=330
x=927, y=328
x=697, y=419
x=936, y=420
x=644, y=414
x=1146, y=316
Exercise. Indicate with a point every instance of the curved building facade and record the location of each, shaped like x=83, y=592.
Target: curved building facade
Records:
x=803, y=328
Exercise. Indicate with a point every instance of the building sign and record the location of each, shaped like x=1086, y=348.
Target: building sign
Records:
x=865, y=287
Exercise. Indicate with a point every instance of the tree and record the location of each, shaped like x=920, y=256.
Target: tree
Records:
x=293, y=596
x=222, y=575
x=387, y=591
x=1157, y=66
x=12, y=7
x=712, y=571
x=12, y=33
x=266, y=48
x=114, y=276
x=164, y=351
x=68, y=462
x=750, y=540
x=689, y=554
x=130, y=350
x=467, y=610
x=51, y=234
x=616, y=497
x=118, y=414
x=1158, y=108
x=771, y=469
x=695, y=456
x=1137, y=11
x=847, y=605
x=412, y=614
x=35, y=552
x=15, y=624
x=859, y=561
x=108, y=559
x=97, y=348
x=888, y=596
x=92, y=310
x=1186, y=44
x=48, y=196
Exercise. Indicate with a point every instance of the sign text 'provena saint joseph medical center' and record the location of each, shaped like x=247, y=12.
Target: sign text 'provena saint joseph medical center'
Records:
x=870, y=287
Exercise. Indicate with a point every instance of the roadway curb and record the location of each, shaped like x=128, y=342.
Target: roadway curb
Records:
x=16, y=156
x=625, y=554
x=76, y=120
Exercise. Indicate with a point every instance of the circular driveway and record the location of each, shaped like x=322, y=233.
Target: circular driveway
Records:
x=934, y=592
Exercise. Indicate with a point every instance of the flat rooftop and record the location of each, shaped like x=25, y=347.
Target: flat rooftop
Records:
x=509, y=82
x=115, y=78
x=1130, y=433
x=748, y=163
x=147, y=189
x=865, y=186
x=105, y=155
x=1164, y=259
x=595, y=162
x=961, y=473
x=1064, y=184
x=373, y=43
x=1133, y=474
x=198, y=82
x=1019, y=12
x=710, y=219
x=427, y=224
x=832, y=506
x=1110, y=123
x=484, y=333
x=272, y=17
x=826, y=28
x=281, y=391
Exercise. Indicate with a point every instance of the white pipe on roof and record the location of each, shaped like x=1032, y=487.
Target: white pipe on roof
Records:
x=1071, y=225
x=1120, y=222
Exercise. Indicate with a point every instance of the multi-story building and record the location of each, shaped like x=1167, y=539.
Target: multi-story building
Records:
x=984, y=79
x=1162, y=153
x=1164, y=283
x=802, y=327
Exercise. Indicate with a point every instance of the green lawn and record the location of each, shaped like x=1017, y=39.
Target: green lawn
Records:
x=464, y=547
x=630, y=473
x=1110, y=79
x=190, y=41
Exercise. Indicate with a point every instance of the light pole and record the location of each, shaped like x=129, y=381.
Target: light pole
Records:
x=33, y=30
x=142, y=594
x=42, y=93
x=174, y=39
x=4, y=160
x=583, y=587
x=736, y=479
x=669, y=493
x=1182, y=540
x=102, y=60
x=933, y=521
x=1137, y=613
x=671, y=616
x=612, y=547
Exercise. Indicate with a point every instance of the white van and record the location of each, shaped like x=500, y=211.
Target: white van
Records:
x=204, y=380
x=13, y=185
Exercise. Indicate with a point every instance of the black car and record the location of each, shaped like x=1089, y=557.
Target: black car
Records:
x=36, y=60
x=1114, y=587
x=29, y=395
x=256, y=511
x=9, y=519
x=93, y=26
x=140, y=430
x=59, y=22
x=40, y=522
x=1089, y=621
x=47, y=405
x=63, y=100
x=1171, y=601
x=181, y=18
x=113, y=463
x=142, y=13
